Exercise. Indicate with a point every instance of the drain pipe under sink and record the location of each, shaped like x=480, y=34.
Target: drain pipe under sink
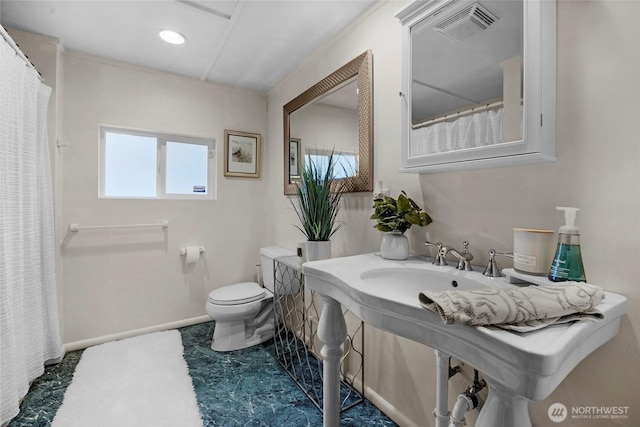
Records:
x=441, y=412
x=466, y=401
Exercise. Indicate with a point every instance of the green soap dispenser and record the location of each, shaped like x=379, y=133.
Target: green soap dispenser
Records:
x=567, y=263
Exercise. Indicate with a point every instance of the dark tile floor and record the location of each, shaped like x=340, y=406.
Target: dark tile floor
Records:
x=239, y=388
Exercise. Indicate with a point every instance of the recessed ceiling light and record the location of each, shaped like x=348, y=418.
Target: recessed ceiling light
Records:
x=172, y=37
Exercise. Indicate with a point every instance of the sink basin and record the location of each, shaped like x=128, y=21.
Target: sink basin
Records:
x=518, y=367
x=419, y=279
x=403, y=284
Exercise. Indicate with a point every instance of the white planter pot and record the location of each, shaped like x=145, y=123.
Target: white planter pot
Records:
x=317, y=250
x=394, y=245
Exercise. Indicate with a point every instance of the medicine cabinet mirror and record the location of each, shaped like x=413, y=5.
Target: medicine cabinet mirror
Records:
x=334, y=115
x=478, y=83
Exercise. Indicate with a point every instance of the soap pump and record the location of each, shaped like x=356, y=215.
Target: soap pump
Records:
x=567, y=262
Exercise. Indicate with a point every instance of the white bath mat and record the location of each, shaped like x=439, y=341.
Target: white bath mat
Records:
x=136, y=382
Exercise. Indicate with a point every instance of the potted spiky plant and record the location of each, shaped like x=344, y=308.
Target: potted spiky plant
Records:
x=394, y=217
x=317, y=203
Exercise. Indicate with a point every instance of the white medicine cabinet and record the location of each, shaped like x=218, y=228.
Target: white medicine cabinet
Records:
x=478, y=84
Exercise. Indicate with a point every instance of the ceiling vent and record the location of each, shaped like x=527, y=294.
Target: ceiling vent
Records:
x=466, y=23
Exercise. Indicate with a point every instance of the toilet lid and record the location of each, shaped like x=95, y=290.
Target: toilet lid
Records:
x=240, y=293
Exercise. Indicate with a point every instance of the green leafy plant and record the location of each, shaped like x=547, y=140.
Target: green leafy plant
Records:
x=398, y=215
x=317, y=199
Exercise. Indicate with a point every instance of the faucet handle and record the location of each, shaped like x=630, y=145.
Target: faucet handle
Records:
x=439, y=258
x=492, y=269
x=468, y=256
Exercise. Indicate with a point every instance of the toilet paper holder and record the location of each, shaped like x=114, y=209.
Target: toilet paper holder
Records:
x=183, y=251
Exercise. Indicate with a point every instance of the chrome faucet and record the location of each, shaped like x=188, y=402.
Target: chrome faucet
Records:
x=464, y=258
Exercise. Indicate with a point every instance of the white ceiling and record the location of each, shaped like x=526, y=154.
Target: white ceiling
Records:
x=249, y=44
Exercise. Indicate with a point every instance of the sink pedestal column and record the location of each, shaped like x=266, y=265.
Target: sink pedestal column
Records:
x=332, y=331
x=503, y=408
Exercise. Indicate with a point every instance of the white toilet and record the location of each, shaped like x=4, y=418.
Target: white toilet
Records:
x=244, y=312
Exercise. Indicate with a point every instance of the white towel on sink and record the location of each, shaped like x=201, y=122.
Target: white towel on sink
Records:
x=518, y=309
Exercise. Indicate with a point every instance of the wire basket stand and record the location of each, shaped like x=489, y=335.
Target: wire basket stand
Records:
x=297, y=347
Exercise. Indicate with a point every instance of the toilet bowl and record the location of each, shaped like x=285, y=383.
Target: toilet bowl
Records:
x=244, y=316
x=243, y=312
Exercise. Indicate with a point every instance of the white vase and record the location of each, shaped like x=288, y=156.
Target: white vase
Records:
x=318, y=249
x=394, y=245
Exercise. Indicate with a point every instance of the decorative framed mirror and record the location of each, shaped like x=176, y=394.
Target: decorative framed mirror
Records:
x=478, y=83
x=333, y=116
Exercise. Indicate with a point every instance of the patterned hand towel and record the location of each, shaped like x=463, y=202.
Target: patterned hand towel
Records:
x=518, y=309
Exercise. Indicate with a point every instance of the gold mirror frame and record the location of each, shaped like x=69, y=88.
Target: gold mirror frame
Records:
x=361, y=66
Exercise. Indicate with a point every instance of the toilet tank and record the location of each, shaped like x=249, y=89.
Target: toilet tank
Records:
x=267, y=256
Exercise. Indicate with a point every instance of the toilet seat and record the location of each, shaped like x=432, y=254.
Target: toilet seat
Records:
x=240, y=293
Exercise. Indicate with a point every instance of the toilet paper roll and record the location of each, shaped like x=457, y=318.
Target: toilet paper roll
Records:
x=193, y=254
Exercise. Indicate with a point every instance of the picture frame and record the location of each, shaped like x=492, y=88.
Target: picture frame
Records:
x=242, y=154
x=294, y=159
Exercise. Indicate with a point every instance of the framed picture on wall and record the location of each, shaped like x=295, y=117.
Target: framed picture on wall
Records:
x=294, y=159
x=242, y=154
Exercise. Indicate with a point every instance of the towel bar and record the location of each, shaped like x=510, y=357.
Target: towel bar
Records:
x=77, y=227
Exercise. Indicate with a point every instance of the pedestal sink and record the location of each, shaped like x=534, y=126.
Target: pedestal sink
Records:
x=517, y=367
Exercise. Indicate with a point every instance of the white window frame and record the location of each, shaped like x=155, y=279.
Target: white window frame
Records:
x=162, y=139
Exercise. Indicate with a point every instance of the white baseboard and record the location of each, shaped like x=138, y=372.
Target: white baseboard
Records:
x=77, y=345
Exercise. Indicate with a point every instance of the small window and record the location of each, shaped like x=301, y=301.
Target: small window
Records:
x=142, y=165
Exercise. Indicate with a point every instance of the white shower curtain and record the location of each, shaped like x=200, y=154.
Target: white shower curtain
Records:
x=29, y=329
x=474, y=130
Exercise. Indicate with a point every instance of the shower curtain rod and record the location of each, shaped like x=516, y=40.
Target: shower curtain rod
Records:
x=454, y=115
x=19, y=52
